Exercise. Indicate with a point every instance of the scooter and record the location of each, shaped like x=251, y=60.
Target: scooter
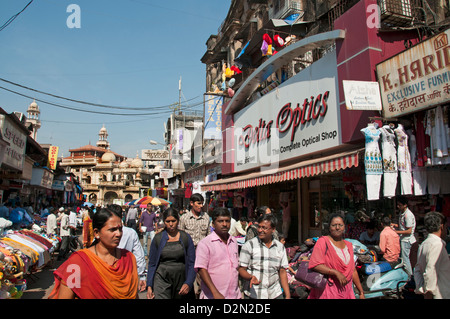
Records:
x=386, y=284
x=378, y=282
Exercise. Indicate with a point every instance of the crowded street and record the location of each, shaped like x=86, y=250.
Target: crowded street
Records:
x=263, y=154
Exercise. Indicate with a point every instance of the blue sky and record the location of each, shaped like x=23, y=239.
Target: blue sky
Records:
x=127, y=53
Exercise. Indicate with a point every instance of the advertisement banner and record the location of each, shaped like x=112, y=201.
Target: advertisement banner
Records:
x=52, y=157
x=213, y=117
x=417, y=78
x=300, y=118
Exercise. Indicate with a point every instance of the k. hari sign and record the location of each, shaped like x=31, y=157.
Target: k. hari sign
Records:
x=298, y=118
x=416, y=78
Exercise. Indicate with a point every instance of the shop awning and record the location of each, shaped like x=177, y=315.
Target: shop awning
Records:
x=306, y=168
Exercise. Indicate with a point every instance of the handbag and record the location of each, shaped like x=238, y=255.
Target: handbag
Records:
x=310, y=277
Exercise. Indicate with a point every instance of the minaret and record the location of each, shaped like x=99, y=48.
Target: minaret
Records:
x=103, y=138
x=33, y=118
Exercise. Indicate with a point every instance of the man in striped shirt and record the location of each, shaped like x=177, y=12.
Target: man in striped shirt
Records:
x=263, y=262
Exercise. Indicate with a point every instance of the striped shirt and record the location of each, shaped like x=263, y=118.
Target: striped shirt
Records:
x=197, y=227
x=264, y=263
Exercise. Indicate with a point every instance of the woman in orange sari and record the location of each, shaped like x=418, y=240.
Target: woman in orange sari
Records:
x=101, y=271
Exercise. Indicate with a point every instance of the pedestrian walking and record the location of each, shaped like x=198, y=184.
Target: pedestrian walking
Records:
x=64, y=233
x=432, y=271
x=263, y=263
x=130, y=241
x=217, y=260
x=171, y=271
x=333, y=257
x=147, y=225
x=102, y=271
x=51, y=223
x=132, y=216
x=406, y=228
x=196, y=223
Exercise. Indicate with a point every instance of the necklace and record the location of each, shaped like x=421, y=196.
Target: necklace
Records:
x=114, y=256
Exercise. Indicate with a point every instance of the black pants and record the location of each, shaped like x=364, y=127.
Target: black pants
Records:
x=132, y=224
x=64, y=248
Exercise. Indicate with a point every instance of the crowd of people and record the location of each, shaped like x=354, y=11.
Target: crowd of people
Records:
x=194, y=254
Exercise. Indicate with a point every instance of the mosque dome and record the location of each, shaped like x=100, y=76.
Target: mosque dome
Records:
x=108, y=157
x=137, y=163
x=124, y=164
x=33, y=107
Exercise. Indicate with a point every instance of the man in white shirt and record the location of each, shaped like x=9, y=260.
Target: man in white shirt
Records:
x=407, y=226
x=72, y=222
x=432, y=271
x=239, y=228
x=51, y=223
x=64, y=233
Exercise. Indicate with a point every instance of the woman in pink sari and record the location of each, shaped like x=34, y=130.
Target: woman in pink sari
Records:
x=333, y=257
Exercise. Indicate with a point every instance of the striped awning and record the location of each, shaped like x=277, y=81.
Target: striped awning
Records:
x=307, y=168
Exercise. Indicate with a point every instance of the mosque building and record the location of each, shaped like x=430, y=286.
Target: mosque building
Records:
x=107, y=177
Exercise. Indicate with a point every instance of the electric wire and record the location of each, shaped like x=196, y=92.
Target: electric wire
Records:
x=92, y=111
x=10, y=20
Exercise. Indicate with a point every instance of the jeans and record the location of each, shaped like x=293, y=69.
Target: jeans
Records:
x=406, y=249
x=145, y=237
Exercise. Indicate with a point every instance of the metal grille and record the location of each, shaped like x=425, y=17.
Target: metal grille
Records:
x=396, y=12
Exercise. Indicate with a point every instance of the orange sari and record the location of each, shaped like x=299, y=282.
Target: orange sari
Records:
x=89, y=277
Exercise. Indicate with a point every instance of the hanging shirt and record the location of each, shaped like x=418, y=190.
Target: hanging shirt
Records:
x=372, y=159
x=389, y=149
x=403, y=155
x=439, y=136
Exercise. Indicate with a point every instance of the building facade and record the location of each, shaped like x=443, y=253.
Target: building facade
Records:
x=290, y=138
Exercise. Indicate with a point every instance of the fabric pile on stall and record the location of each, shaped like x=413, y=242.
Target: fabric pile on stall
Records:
x=22, y=252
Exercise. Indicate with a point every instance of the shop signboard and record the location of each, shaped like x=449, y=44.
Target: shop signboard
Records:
x=155, y=155
x=417, y=78
x=42, y=177
x=15, y=151
x=165, y=173
x=53, y=157
x=362, y=95
x=300, y=117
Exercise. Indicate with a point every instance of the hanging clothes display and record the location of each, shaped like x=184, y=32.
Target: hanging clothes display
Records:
x=389, y=153
x=372, y=161
x=438, y=130
x=422, y=140
x=404, y=160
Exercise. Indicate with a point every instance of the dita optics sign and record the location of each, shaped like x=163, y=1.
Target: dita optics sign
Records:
x=416, y=78
x=298, y=118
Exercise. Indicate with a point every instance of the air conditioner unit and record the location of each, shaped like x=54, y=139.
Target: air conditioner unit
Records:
x=283, y=9
x=396, y=12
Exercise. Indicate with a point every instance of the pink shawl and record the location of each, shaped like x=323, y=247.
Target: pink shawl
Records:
x=325, y=254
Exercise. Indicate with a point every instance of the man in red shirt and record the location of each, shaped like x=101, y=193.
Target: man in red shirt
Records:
x=389, y=242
